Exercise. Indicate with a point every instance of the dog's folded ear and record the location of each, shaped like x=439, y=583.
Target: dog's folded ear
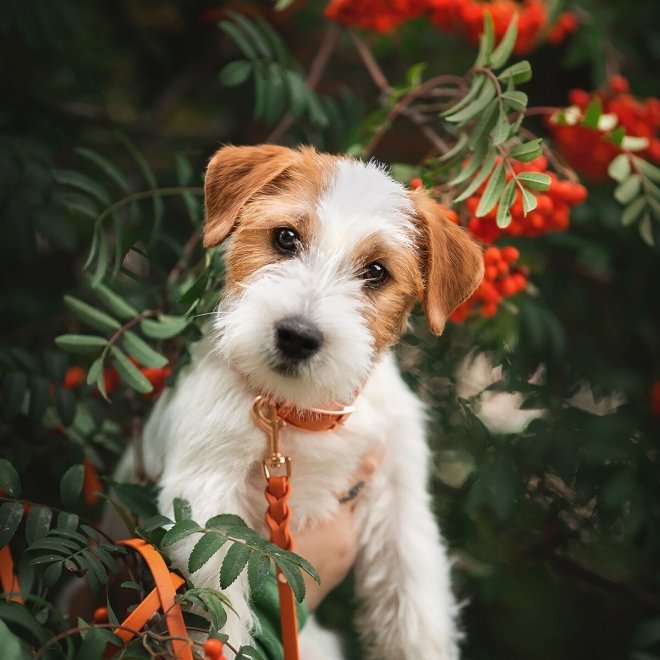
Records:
x=233, y=177
x=452, y=263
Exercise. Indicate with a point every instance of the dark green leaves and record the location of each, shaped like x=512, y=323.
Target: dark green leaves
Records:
x=204, y=549
x=233, y=563
x=91, y=316
x=11, y=514
x=37, y=524
x=129, y=373
x=10, y=482
x=71, y=486
x=180, y=531
x=235, y=73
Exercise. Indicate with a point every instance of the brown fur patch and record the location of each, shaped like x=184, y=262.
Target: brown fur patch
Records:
x=451, y=261
x=391, y=302
x=285, y=199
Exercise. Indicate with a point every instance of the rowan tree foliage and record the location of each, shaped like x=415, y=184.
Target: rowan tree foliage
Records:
x=534, y=123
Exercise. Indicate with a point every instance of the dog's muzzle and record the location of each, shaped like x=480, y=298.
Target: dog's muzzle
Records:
x=297, y=339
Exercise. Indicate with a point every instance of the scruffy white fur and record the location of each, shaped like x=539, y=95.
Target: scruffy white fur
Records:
x=201, y=443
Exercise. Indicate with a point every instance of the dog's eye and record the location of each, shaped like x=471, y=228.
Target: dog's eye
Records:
x=374, y=274
x=286, y=240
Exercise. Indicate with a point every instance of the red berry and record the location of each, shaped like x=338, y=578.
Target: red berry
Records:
x=101, y=615
x=74, y=377
x=618, y=84
x=509, y=254
x=213, y=649
x=415, y=183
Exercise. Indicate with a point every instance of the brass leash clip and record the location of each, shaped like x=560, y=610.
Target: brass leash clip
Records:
x=265, y=416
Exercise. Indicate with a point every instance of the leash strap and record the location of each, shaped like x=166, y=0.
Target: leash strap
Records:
x=278, y=517
x=166, y=586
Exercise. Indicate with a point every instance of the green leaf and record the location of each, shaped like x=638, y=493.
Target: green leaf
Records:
x=52, y=574
x=479, y=133
x=11, y=514
x=225, y=521
x=486, y=95
x=90, y=315
x=84, y=183
x=646, y=230
x=515, y=100
x=154, y=522
x=474, y=89
x=107, y=167
x=139, y=499
x=114, y=303
x=593, y=112
x=19, y=616
x=180, y=531
x=13, y=648
x=239, y=39
x=520, y=72
x=486, y=42
x=142, y=352
x=617, y=135
x=233, y=563
x=628, y=189
x=258, y=571
x=527, y=151
x=493, y=190
x=293, y=577
x=457, y=151
x=504, y=49
x=67, y=521
x=633, y=211
x=81, y=343
x=486, y=168
x=503, y=218
x=235, y=73
x=257, y=38
x=535, y=180
x=129, y=373
x=204, y=549
x=476, y=161
x=249, y=652
x=619, y=168
x=71, y=486
x=165, y=327
x=14, y=387
x=37, y=524
x=528, y=199
x=297, y=92
x=10, y=482
x=647, y=169
x=502, y=128
x=65, y=404
x=182, y=509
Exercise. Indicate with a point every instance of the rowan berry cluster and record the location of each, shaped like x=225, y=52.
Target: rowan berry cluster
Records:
x=76, y=376
x=464, y=17
x=552, y=212
x=590, y=149
x=503, y=278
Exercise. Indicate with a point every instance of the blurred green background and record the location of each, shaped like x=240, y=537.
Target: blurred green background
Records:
x=555, y=527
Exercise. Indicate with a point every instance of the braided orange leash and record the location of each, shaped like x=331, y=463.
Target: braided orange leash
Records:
x=278, y=518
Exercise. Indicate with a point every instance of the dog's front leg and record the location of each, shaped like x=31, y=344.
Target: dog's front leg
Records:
x=407, y=609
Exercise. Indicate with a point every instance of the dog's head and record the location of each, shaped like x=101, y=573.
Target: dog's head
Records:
x=327, y=258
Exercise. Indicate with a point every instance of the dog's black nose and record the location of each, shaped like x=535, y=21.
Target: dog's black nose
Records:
x=296, y=338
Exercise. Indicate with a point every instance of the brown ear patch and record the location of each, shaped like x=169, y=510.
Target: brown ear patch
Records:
x=234, y=175
x=452, y=263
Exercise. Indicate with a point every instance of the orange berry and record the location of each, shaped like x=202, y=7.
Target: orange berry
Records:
x=492, y=255
x=489, y=309
x=213, y=649
x=415, y=183
x=509, y=254
x=618, y=84
x=74, y=377
x=101, y=615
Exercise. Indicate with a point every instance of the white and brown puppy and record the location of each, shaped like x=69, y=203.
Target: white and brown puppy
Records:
x=328, y=256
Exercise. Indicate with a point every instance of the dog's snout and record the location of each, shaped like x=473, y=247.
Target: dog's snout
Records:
x=297, y=338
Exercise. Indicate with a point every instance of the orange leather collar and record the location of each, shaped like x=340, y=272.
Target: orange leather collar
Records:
x=315, y=420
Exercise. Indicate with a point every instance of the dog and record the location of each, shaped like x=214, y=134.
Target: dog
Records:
x=326, y=259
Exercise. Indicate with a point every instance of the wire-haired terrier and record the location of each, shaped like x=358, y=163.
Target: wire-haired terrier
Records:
x=327, y=257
